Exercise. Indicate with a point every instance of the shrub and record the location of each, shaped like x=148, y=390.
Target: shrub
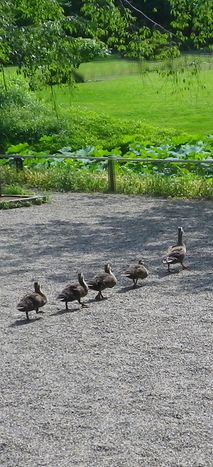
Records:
x=89, y=128
x=23, y=117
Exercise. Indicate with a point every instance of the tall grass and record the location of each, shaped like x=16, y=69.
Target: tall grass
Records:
x=187, y=186
x=163, y=186
x=12, y=189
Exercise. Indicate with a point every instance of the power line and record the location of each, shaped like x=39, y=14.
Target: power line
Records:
x=150, y=19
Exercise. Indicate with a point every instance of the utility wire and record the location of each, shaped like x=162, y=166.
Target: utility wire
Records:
x=150, y=19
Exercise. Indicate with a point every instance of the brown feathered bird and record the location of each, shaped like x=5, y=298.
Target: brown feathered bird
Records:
x=74, y=292
x=176, y=253
x=32, y=301
x=103, y=280
x=136, y=271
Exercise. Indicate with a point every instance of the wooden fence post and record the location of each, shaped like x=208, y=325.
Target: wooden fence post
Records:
x=19, y=163
x=111, y=176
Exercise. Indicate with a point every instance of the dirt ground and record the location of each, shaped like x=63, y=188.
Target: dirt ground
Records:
x=127, y=381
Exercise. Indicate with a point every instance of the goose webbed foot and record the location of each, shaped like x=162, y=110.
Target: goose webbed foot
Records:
x=99, y=296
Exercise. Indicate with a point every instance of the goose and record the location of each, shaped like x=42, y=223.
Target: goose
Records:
x=74, y=292
x=32, y=301
x=136, y=271
x=176, y=253
x=103, y=280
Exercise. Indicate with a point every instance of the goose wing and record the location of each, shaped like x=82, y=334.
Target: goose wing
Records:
x=69, y=293
x=99, y=281
x=30, y=302
x=136, y=271
x=176, y=254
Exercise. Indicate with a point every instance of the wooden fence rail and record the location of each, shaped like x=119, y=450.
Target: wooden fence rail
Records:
x=112, y=160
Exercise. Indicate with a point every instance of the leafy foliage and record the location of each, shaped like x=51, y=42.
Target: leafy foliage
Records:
x=64, y=172
x=28, y=29
x=137, y=158
x=118, y=27
x=193, y=22
x=22, y=116
x=91, y=29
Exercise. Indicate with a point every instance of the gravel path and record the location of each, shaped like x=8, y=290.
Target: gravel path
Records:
x=125, y=382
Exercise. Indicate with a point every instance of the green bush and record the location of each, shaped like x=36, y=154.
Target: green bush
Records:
x=90, y=128
x=23, y=117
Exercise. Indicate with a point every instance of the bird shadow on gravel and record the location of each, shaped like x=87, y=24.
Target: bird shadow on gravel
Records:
x=23, y=322
x=63, y=311
x=119, y=237
x=130, y=288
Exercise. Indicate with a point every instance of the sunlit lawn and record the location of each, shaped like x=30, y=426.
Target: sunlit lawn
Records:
x=124, y=90
x=186, y=104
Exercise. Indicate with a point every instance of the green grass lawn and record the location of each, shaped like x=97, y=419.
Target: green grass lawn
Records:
x=120, y=89
x=127, y=90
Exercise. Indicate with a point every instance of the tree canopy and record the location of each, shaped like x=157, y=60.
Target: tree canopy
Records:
x=48, y=39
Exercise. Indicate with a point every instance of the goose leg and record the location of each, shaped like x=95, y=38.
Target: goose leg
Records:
x=135, y=282
x=99, y=296
x=66, y=306
x=168, y=265
x=82, y=304
x=27, y=315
